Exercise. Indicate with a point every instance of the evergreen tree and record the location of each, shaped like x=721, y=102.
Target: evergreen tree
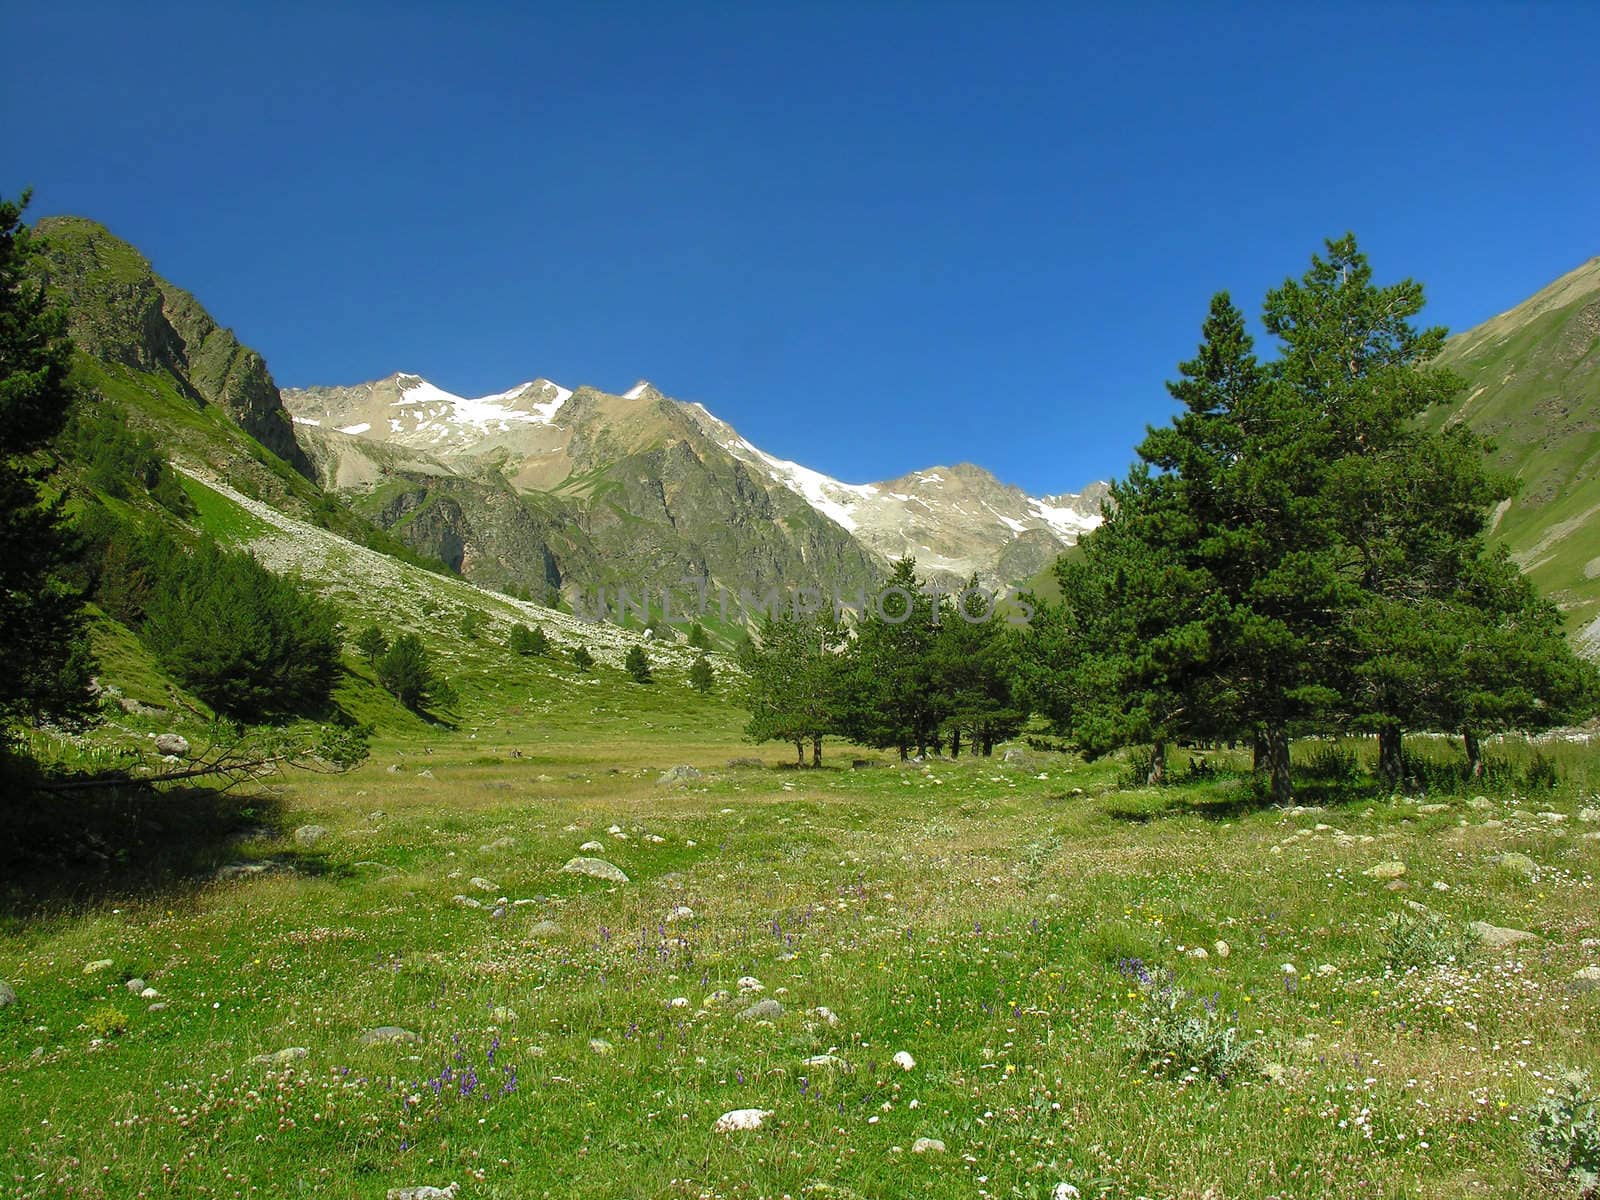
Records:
x=529, y=641
x=796, y=681
x=372, y=642
x=43, y=646
x=637, y=664
x=698, y=638
x=249, y=643
x=581, y=658
x=407, y=673
x=893, y=698
x=974, y=666
x=701, y=676
x=471, y=623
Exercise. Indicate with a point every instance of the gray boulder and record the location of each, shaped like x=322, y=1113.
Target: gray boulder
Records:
x=308, y=836
x=8, y=994
x=1497, y=937
x=762, y=1010
x=172, y=743
x=680, y=774
x=595, y=868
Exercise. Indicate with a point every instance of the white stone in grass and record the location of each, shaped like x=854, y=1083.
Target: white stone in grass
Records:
x=682, y=913
x=1288, y=969
x=678, y=1002
x=1199, y=952
x=828, y=1062
x=1222, y=948
x=741, y=1119
x=172, y=744
x=484, y=885
x=826, y=1015
x=904, y=1061
x=385, y=1034
x=1588, y=816
x=720, y=996
x=424, y=1192
x=1385, y=870
x=600, y=1046
x=308, y=836
x=591, y=847
x=98, y=965
x=1497, y=937
x=1587, y=980
x=8, y=994
x=279, y=1058
x=149, y=993
x=136, y=985
x=595, y=868
x=1065, y=1191
x=749, y=983
x=927, y=1145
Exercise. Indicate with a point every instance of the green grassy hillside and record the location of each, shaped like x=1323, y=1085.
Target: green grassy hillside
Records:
x=1533, y=385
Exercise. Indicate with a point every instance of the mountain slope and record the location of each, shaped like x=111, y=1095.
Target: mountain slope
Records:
x=659, y=489
x=1533, y=377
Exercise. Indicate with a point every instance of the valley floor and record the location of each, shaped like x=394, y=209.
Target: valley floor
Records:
x=992, y=920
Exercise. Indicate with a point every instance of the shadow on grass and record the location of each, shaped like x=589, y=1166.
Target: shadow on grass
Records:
x=69, y=851
x=1228, y=798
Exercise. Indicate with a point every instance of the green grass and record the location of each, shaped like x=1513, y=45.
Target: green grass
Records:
x=973, y=914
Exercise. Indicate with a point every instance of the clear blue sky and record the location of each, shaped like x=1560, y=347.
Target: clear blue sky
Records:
x=873, y=236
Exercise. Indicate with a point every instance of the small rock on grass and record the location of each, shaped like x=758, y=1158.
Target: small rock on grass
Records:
x=595, y=868
x=136, y=985
x=425, y=1192
x=1385, y=870
x=1587, y=980
x=927, y=1145
x=385, y=1034
x=600, y=1045
x=98, y=965
x=904, y=1061
x=741, y=1119
x=308, y=836
x=826, y=1015
x=1518, y=863
x=1065, y=1191
x=279, y=1057
x=8, y=994
x=1497, y=936
x=542, y=929
x=762, y=1010
x=826, y=1062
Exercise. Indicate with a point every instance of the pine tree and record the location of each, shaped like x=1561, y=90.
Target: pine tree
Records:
x=698, y=638
x=893, y=698
x=528, y=641
x=581, y=658
x=796, y=681
x=637, y=664
x=43, y=647
x=701, y=675
x=406, y=672
x=975, y=673
x=249, y=643
x=372, y=642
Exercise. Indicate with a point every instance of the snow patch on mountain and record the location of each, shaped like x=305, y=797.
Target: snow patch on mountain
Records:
x=483, y=411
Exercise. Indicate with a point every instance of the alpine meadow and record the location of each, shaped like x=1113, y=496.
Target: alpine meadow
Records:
x=419, y=794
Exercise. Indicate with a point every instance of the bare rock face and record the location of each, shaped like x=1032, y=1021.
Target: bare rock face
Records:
x=122, y=312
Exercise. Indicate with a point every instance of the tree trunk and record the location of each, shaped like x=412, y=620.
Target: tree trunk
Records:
x=1391, y=760
x=903, y=752
x=800, y=753
x=816, y=750
x=1258, y=746
x=1158, y=764
x=955, y=742
x=1474, y=754
x=1276, y=739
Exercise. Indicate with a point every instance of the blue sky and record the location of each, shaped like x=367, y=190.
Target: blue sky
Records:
x=874, y=237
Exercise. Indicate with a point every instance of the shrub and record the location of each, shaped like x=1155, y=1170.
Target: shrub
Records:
x=581, y=658
x=106, y=1021
x=1566, y=1132
x=1178, y=1034
x=1540, y=773
x=471, y=623
x=529, y=641
x=1415, y=941
x=1330, y=764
